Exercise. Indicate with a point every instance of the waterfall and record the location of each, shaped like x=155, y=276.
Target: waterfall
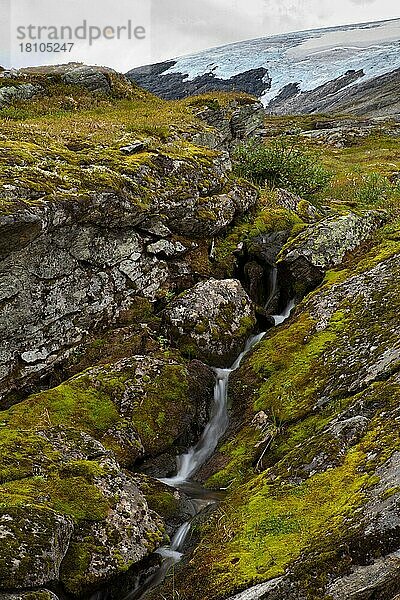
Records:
x=190, y=462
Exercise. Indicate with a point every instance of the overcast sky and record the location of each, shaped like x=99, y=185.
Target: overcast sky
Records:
x=175, y=27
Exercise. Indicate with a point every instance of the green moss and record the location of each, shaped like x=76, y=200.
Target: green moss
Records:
x=160, y=498
x=300, y=513
x=278, y=519
x=74, y=403
x=69, y=495
x=238, y=455
x=266, y=218
x=297, y=353
x=19, y=452
x=76, y=563
x=157, y=415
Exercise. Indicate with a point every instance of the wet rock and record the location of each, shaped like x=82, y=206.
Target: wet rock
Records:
x=266, y=248
x=328, y=485
x=254, y=281
x=173, y=505
x=304, y=261
x=211, y=321
x=381, y=579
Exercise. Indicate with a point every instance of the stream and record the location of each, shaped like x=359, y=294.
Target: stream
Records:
x=190, y=462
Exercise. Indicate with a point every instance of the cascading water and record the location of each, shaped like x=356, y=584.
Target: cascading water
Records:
x=273, y=282
x=190, y=462
x=279, y=319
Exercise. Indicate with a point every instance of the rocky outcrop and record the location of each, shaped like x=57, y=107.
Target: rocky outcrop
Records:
x=70, y=513
x=177, y=85
x=237, y=120
x=23, y=91
x=271, y=590
x=211, y=321
x=62, y=274
x=27, y=84
x=341, y=136
x=88, y=77
x=381, y=577
x=323, y=245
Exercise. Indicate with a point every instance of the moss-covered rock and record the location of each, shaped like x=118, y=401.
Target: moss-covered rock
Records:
x=311, y=471
x=324, y=245
x=34, y=543
x=211, y=321
x=63, y=176
x=68, y=500
x=138, y=407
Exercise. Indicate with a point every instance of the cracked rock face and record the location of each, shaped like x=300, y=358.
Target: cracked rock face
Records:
x=212, y=320
x=64, y=275
x=323, y=245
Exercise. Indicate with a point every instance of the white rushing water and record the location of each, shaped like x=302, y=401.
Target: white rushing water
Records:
x=177, y=542
x=279, y=319
x=196, y=456
x=190, y=462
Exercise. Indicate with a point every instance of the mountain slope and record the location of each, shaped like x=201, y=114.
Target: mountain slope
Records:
x=289, y=64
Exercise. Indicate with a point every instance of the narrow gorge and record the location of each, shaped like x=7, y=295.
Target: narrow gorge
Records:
x=200, y=346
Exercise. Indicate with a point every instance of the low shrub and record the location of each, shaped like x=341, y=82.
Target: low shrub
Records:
x=281, y=164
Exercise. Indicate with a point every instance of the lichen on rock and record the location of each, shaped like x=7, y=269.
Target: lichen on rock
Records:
x=211, y=321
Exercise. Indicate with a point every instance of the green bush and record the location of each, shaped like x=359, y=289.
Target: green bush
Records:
x=281, y=164
x=375, y=189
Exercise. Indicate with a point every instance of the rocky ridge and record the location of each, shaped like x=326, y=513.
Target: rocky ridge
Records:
x=351, y=69
x=93, y=236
